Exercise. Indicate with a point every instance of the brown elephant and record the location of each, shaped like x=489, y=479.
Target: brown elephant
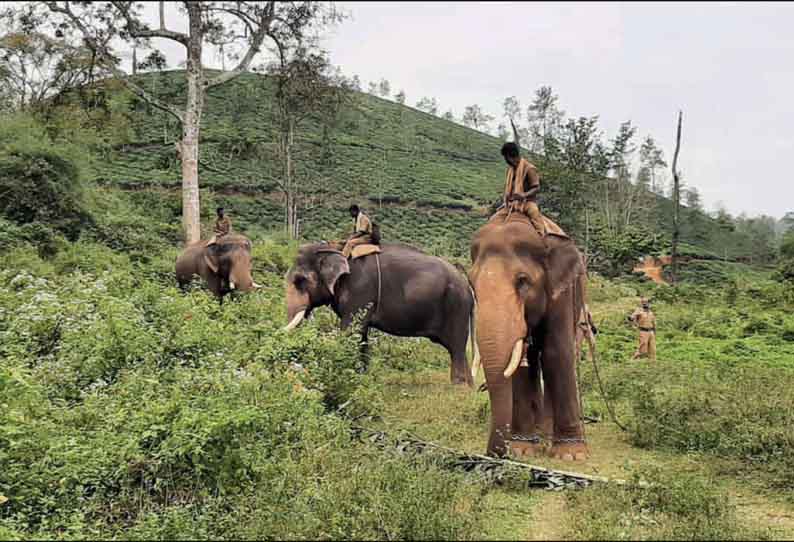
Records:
x=529, y=297
x=225, y=265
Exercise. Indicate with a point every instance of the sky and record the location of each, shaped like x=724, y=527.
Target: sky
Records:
x=728, y=66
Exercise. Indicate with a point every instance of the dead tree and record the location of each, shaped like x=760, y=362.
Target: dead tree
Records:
x=676, y=200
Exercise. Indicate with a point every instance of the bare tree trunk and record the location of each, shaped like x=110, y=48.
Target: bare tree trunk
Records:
x=191, y=128
x=586, y=235
x=676, y=200
x=291, y=184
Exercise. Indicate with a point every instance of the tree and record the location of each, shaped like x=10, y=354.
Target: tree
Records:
x=242, y=27
x=501, y=132
x=384, y=88
x=676, y=199
x=475, y=117
x=373, y=88
x=400, y=97
x=545, y=119
x=651, y=159
x=449, y=116
x=619, y=192
x=35, y=66
x=356, y=83
x=512, y=112
x=304, y=87
x=428, y=105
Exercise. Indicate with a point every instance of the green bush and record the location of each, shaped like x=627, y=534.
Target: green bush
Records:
x=743, y=412
x=674, y=507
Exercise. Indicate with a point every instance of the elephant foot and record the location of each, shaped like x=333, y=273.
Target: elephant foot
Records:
x=532, y=447
x=570, y=450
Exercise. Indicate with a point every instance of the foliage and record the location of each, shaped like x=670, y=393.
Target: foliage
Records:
x=131, y=410
x=675, y=507
x=39, y=182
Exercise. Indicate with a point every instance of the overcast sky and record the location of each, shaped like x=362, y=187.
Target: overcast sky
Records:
x=729, y=66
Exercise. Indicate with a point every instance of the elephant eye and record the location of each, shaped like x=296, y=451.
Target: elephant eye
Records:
x=523, y=281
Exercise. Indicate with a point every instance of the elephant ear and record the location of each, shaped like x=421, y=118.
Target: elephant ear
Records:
x=211, y=258
x=332, y=266
x=565, y=268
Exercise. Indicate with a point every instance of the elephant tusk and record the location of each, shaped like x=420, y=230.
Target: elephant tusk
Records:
x=295, y=321
x=515, y=358
x=256, y=285
x=475, y=362
x=232, y=285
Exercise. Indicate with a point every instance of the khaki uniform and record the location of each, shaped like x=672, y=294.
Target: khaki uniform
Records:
x=362, y=234
x=646, y=321
x=523, y=178
x=223, y=226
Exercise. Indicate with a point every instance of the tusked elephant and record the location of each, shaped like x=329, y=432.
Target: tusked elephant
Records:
x=420, y=296
x=529, y=298
x=225, y=265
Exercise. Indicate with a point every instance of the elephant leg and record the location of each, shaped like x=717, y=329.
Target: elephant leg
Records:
x=559, y=375
x=364, y=350
x=546, y=419
x=500, y=391
x=459, y=369
x=527, y=407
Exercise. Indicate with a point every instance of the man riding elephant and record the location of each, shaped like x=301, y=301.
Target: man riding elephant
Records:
x=522, y=184
x=362, y=231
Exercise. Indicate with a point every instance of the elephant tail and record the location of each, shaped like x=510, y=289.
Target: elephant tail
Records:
x=472, y=340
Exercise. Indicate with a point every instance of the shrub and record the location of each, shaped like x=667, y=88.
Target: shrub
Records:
x=41, y=185
x=674, y=507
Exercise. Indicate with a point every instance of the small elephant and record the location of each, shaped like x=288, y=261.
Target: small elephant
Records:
x=224, y=265
x=420, y=296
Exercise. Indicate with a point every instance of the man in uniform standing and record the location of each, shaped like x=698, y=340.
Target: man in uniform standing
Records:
x=362, y=232
x=645, y=320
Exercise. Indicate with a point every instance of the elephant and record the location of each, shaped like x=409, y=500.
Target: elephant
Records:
x=409, y=294
x=225, y=265
x=530, y=292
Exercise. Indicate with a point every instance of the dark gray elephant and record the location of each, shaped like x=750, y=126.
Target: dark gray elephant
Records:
x=225, y=265
x=420, y=296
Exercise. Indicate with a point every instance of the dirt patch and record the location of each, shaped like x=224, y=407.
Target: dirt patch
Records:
x=653, y=268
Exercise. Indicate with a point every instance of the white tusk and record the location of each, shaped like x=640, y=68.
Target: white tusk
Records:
x=256, y=285
x=231, y=285
x=515, y=358
x=295, y=321
x=475, y=362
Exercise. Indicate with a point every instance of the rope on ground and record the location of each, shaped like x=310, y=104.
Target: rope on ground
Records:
x=494, y=470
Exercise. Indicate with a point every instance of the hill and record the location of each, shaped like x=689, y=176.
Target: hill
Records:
x=425, y=179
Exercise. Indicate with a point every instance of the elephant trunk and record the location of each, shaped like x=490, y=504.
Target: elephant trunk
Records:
x=501, y=326
x=240, y=276
x=298, y=303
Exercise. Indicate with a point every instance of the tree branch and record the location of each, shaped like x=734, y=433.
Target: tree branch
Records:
x=264, y=22
x=100, y=50
x=133, y=26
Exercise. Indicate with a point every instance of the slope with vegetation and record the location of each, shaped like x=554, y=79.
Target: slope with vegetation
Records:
x=427, y=180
